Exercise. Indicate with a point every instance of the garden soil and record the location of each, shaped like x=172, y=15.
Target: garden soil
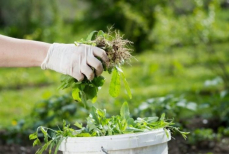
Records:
x=176, y=146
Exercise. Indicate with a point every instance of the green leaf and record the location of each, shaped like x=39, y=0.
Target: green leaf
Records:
x=162, y=117
x=130, y=121
x=132, y=129
x=66, y=81
x=83, y=98
x=98, y=81
x=64, y=124
x=45, y=134
x=115, y=85
x=94, y=114
x=51, y=146
x=184, y=134
x=101, y=113
x=33, y=136
x=76, y=43
x=76, y=94
x=44, y=147
x=124, y=112
x=36, y=142
x=94, y=99
x=90, y=36
x=78, y=125
x=90, y=92
x=100, y=33
x=123, y=125
x=84, y=135
x=90, y=123
x=126, y=85
x=166, y=132
x=151, y=119
x=58, y=145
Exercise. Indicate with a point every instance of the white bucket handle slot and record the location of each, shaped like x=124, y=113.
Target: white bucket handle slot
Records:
x=104, y=150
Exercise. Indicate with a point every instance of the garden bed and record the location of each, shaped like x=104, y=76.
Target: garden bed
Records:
x=176, y=146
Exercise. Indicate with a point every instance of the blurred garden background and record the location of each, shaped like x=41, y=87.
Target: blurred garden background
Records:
x=182, y=67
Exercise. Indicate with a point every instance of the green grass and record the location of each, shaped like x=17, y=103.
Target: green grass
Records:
x=21, y=88
x=152, y=74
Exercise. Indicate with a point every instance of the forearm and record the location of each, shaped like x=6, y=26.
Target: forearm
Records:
x=21, y=53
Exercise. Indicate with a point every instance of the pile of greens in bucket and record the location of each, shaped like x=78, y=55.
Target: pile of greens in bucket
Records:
x=99, y=125
x=118, y=51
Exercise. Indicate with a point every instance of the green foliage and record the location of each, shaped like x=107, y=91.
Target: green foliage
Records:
x=201, y=25
x=82, y=91
x=218, y=105
x=201, y=135
x=124, y=112
x=135, y=19
x=115, y=84
x=169, y=104
x=54, y=143
x=41, y=22
x=223, y=131
x=51, y=111
x=99, y=125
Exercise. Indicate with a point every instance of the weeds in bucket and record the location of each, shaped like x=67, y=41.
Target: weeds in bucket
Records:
x=99, y=125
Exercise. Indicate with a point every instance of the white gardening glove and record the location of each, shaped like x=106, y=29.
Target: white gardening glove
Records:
x=75, y=61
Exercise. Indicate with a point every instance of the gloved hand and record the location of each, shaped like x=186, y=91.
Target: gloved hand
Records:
x=75, y=61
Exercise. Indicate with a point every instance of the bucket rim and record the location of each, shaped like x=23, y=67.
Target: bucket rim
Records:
x=69, y=139
x=115, y=142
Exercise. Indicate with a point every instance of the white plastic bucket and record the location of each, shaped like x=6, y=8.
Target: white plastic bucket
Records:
x=152, y=142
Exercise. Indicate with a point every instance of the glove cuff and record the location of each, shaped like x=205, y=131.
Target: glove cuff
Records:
x=46, y=60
